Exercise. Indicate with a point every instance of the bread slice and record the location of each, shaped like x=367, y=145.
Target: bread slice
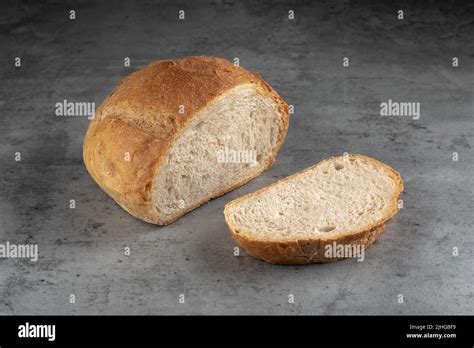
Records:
x=177, y=133
x=341, y=201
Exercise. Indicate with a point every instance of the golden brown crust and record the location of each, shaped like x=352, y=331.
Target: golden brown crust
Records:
x=302, y=252
x=298, y=251
x=141, y=118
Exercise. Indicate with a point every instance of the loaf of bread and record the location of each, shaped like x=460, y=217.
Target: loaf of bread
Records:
x=178, y=133
x=340, y=202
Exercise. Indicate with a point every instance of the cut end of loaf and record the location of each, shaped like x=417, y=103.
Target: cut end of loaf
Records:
x=226, y=144
x=342, y=199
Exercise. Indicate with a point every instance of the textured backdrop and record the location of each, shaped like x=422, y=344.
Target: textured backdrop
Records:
x=337, y=110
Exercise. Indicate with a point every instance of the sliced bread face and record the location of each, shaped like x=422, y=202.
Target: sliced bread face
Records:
x=227, y=144
x=340, y=201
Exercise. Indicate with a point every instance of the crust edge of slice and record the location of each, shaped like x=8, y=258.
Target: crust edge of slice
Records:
x=311, y=250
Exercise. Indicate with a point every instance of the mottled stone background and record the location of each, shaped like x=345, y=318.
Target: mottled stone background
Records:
x=336, y=111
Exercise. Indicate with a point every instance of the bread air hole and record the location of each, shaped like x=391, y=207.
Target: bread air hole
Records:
x=338, y=166
x=327, y=228
x=199, y=125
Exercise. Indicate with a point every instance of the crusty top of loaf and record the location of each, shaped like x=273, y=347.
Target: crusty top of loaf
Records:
x=141, y=117
x=151, y=97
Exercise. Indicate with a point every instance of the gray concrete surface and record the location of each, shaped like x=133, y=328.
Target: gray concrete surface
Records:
x=336, y=110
